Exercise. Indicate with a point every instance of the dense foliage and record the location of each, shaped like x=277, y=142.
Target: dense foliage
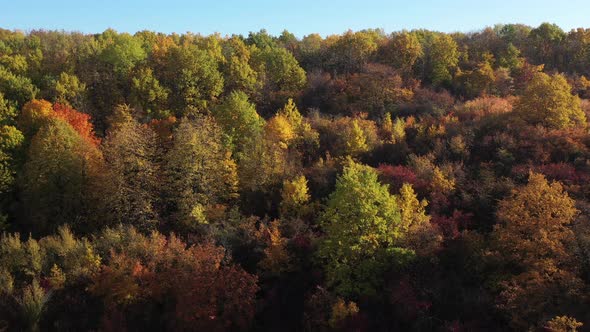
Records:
x=413, y=181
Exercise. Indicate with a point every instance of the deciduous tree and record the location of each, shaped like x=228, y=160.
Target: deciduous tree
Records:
x=548, y=100
x=131, y=183
x=362, y=225
x=200, y=171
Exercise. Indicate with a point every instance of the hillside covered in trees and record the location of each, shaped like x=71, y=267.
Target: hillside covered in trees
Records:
x=412, y=181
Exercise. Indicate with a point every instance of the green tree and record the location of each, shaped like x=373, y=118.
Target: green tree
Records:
x=545, y=41
x=280, y=75
x=70, y=91
x=237, y=71
x=576, y=50
x=57, y=175
x=362, y=227
x=15, y=63
x=149, y=94
x=239, y=120
x=443, y=57
x=193, y=77
x=11, y=142
x=261, y=39
x=511, y=58
x=11, y=139
x=16, y=88
x=121, y=51
x=267, y=159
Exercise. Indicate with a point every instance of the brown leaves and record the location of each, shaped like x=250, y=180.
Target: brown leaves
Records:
x=193, y=283
x=534, y=236
x=534, y=222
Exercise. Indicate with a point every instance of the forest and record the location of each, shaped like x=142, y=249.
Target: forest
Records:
x=366, y=181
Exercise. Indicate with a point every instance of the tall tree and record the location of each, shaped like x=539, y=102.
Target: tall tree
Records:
x=193, y=77
x=545, y=41
x=443, y=58
x=16, y=88
x=131, y=183
x=200, y=171
x=533, y=237
x=121, y=51
x=280, y=74
x=352, y=51
x=57, y=178
x=149, y=95
x=237, y=70
x=294, y=197
x=239, y=120
x=362, y=226
x=70, y=91
x=11, y=142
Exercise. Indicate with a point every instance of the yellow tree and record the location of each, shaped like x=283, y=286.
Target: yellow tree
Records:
x=276, y=257
x=403, y=50
x=419, y=234
x=412, y=211
x=291, y=113
x=548, y=100
x=33, y=115
x=356, y=141
x=532, y=237
x=279, y=130
x=563, y=324
x=294, y=197
x=533, y=223
x=341, y=311
x=305, y=138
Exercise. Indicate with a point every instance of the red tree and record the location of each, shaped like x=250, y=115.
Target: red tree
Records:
x=78, y=120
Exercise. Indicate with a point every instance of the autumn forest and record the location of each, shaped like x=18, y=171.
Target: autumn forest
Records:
x=366, y=181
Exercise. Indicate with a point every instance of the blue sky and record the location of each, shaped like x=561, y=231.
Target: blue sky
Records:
x=300, y=17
